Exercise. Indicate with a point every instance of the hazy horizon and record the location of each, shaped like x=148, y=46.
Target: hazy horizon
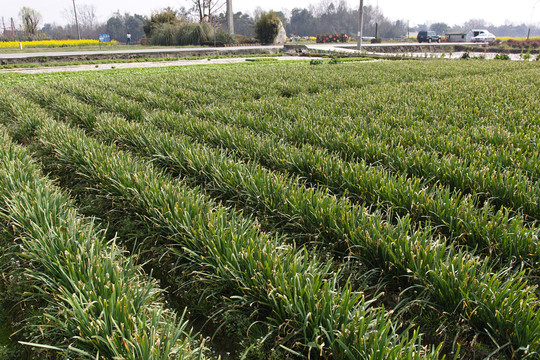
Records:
x=414, y=11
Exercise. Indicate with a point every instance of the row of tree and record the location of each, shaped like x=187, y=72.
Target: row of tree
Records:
x=90, y=27
x=338, y=17
x=499, y=30
x=328, y=16
x=117, y=26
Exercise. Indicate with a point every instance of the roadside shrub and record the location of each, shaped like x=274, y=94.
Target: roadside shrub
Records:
x=224, y=37
x=242, y=39
x=166, y=16
x=187, y=33
x=527, y=55
x=193, y=33
x=517, y=44
x=164, y=34
x=267, y=27
x=40, y=36
x=376, y=41
x=502, y=57
x=332, y=38
x=334, y=61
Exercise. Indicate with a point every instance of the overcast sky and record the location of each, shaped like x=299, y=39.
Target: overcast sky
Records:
x=452, y=12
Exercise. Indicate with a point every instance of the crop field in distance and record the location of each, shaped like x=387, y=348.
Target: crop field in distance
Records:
x=361, y=210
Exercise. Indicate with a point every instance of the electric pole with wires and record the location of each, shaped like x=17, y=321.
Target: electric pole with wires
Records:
x=360, y=24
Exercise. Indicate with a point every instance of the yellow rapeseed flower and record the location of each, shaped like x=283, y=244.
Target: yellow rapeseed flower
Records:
x=50, y=43
x=506, y=38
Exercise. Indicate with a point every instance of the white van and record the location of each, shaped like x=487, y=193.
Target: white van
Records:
x=481, y=35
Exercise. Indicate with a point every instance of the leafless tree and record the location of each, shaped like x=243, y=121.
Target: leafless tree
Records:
x=323, y=7
x=475, y=24
x=87, y=16
x=207, y=7
x=257, y=12
x=30, y=19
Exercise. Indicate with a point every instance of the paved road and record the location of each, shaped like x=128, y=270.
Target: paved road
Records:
x=138, y=65
x=383, y=45
x=134, y=50
x=418, y=51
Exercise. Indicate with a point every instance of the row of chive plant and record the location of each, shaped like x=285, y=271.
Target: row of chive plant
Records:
x=399, y=255
x=303, y=301
x=97, y=302
x=495, y=232
x=266, y=194
x=511, y=188
x=503, y=187
x=399, y=109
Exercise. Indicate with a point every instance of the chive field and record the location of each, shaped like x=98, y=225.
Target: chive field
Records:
x=362, y=210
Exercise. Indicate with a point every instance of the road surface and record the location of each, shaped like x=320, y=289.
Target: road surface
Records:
x=324, y=47
x=138, y=65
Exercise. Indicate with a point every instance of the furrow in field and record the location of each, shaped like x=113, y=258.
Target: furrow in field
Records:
x=494, y=232
x=444, y=273
x=301, y=300
x=441, y=111
x=477, y=176
x=97, y=302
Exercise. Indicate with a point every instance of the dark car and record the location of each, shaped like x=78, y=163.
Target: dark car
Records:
x=428, y=36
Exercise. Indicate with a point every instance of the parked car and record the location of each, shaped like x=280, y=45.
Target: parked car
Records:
x=483, y=36
x=428, y=36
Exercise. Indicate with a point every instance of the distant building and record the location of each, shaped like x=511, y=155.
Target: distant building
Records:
x=460, y=36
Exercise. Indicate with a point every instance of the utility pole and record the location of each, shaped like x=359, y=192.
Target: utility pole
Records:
x=530, y=22
x=230, y=16
x=76, y=20
x=3, y=26
x=360, y=24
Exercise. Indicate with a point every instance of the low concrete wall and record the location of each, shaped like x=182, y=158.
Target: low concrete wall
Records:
x=406, y=48
x=438, y=48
